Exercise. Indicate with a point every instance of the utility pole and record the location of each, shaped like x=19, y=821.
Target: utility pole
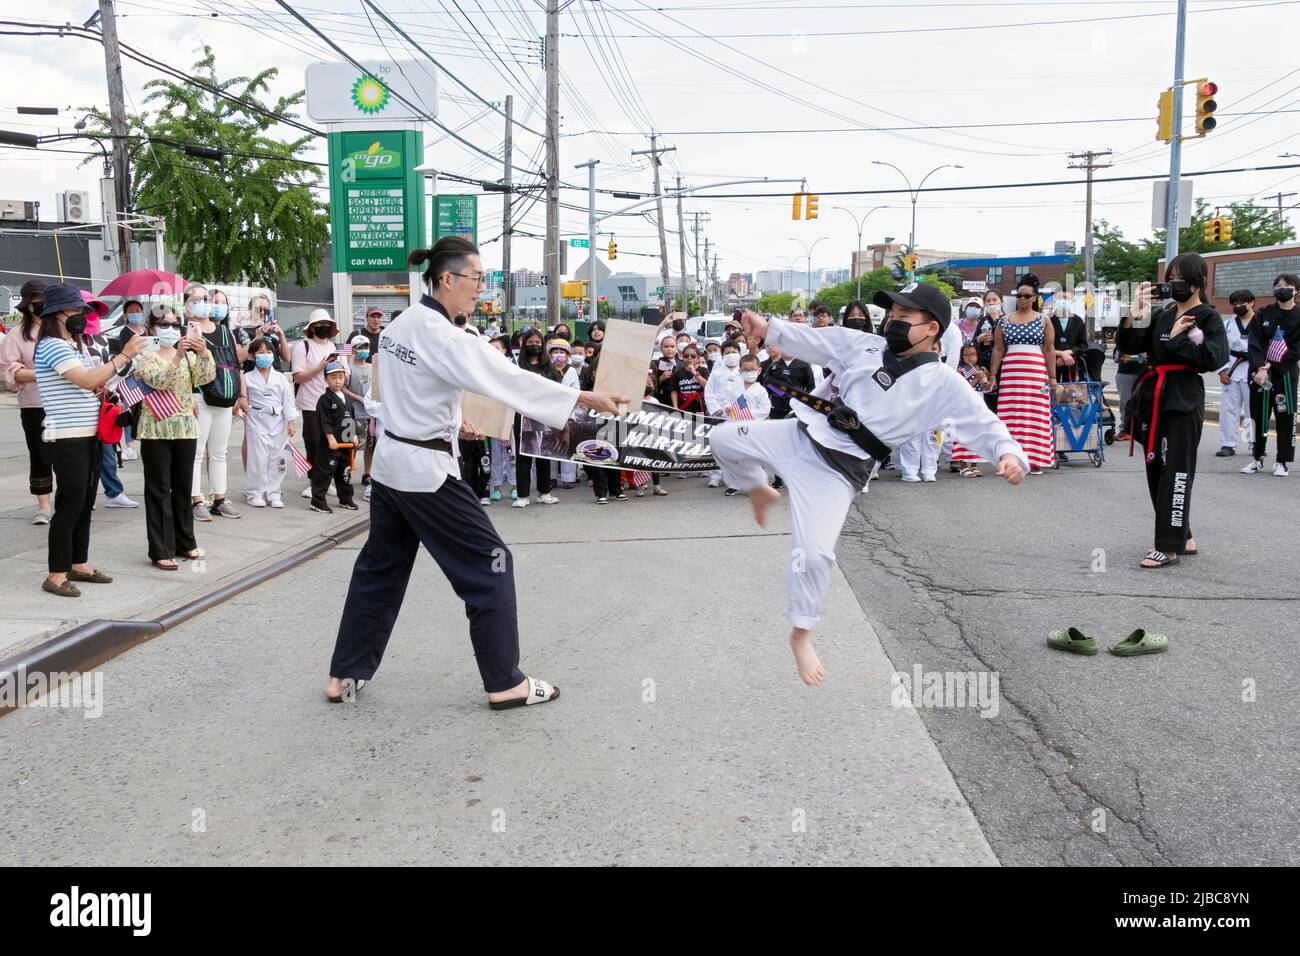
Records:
x=1176, y=144
x=695, y=229
x=653, y=152
x=590, y=166
x=1281, y=220
x=552, y=162
x=1087, y=160
x=681, y=237
x=117, y=119
x=507, y=286
x=714, y=286
x=708, y=286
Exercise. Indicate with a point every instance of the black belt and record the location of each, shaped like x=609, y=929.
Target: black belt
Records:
x=437, y=444
x=841, y=418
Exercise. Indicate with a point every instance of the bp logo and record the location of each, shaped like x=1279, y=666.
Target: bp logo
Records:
x=376, y=158
x=369, y=95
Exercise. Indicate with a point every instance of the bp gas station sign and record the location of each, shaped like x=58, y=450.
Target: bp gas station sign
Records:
x=376, y=199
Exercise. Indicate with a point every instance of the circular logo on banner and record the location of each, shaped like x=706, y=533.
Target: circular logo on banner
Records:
x=369, y=95
x=595, y=451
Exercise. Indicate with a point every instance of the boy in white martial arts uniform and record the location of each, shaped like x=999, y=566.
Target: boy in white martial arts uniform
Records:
x=1234, y=401
x=918, y=458
x=723, y=386
x=890, y=388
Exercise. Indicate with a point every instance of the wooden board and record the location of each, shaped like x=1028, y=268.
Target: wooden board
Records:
x=494, y=419
x=625, y=359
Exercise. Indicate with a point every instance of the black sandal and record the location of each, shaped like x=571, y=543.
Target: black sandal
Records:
x=1162, y=560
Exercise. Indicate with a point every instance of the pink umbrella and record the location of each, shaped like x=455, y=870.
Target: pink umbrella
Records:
x=146, y=282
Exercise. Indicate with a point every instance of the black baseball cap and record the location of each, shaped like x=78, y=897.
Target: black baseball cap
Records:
x=919, y=295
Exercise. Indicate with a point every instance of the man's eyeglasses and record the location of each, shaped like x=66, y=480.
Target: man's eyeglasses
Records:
x=480, y=279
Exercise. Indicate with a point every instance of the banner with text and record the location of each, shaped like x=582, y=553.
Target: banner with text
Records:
x=656, y=439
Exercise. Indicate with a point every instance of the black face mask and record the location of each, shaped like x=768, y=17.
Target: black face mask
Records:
x=897, y=337
x=1284, y=295
x=76, y=324
x=532, y=350
x=855, y=323
x=1240, y=310
x=1181, y=291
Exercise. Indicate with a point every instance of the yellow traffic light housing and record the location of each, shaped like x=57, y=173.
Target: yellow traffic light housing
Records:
x=613, y=250
x=810, y=208
x=1205, y=106
x=1165, y=119
x=796, y=211
x=1212, y=230
x=1225, y=230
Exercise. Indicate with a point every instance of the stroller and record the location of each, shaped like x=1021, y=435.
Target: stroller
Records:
x=1093, y=361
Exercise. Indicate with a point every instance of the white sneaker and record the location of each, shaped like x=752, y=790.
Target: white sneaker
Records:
x=122, y=501
x=365, y=495
x=519, y=503
x=929, y=478
x=549, y=499
x=255, y=501
x=274, y=501
x=483, y=501
x=1255, y=466
x=129, y=453
x=306, y=492
x=715, y=482
x=911, y=477
x=1279, y=471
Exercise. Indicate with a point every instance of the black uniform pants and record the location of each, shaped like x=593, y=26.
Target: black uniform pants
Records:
x=1170, y=474
x=605, y=482
x=331, y=465
x=40, y=476
x=311, y=435
x=455, y=530
x=76, y=463
x=168, y=511
x=1280, y=399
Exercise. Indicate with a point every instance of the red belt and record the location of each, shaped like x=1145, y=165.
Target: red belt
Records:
x=1159, y=371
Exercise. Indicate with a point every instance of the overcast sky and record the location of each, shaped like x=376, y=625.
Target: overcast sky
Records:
x=629, y=66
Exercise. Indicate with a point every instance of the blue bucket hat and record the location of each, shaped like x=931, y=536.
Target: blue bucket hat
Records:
x=62, y=297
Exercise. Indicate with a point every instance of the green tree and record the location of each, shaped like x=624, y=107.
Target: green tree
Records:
x=1118, y=259
x=694, y=305
x=247, y=216
x=605, y=309
x=775, y=303
x=943, y=273
x=837, y=297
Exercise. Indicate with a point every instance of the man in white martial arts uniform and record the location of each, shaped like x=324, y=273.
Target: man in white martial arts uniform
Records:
x=417, y=495
x=918, y=458
x=891, y=387
x=1234, y=400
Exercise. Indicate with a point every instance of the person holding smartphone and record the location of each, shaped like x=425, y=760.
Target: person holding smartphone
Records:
x=1274, y=351
x=1182, y=340
x=307, y=362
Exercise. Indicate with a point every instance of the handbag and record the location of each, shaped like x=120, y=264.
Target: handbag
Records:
x=110, y=427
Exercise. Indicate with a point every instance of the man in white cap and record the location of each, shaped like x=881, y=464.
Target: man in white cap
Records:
x=308, y=359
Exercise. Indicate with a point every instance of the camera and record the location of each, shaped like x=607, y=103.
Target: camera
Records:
x=1162, y=290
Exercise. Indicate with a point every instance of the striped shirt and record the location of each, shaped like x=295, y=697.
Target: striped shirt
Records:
x=70, y=411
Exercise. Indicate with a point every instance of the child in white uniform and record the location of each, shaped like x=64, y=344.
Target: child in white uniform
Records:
x=890, y=389
x=268, y=426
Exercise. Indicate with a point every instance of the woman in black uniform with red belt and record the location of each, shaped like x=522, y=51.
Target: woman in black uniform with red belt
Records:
x=1182, y=340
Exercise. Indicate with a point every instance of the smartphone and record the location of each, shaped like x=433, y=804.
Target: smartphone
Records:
x=151, y=343
x=665, y=365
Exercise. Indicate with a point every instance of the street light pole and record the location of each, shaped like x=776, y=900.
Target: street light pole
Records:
x=858, y=251
x=911, y=242
x=808, y=250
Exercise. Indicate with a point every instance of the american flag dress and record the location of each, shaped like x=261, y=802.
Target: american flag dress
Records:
x=1024, y=404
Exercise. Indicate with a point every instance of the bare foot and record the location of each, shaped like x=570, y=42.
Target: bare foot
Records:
x=333, y=687
x=760, y=499
x=518, y=692
x=805, y=658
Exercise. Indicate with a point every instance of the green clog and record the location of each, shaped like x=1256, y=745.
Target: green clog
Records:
x=1141, y=642
x=1072, y=640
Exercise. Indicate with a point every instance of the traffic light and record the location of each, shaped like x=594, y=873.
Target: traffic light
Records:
x=810, y=209
x=1205, y=106
x=1225, y=230
x=1213, y=229
x=613, y=250
x=1165, y=121
x=797, y=210
x=909, y=263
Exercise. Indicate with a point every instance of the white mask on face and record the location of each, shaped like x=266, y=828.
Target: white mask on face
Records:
x=731, y=360
x=750, y=376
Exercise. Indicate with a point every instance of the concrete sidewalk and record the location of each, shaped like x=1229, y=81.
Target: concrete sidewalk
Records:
x=235, y=547
x=683, y=735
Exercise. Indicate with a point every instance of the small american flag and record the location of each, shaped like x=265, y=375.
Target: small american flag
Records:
x=739, y=411
x=1277, y=348
x=640, y=478
x=162, y=405
x=345, y=351
x=300, y=463
x=132, y=391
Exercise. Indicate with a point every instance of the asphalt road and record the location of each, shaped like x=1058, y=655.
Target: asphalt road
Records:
x=1183, y=758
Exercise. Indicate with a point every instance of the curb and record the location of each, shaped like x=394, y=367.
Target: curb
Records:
x=91, y=644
